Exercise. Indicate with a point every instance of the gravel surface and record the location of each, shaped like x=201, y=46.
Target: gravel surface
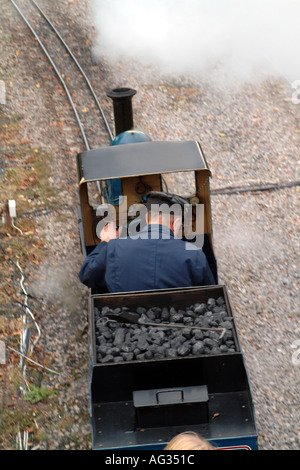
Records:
x=249, y=135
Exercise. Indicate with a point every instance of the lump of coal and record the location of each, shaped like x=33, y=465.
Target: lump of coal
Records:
x=198, y=348
x=184, y=349
x=171, y=352
x=119, y=336
x=226, y=324
x=211, y=303
x=141, y=310
x=176, y=317
x=220, y=301
x=187, y=332
x=165, y=314
x=198, y=334
x=200, y=308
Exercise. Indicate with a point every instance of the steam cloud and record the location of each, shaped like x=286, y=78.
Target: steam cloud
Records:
x=231, y=39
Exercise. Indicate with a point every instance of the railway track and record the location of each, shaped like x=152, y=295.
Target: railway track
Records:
x=83, y=102
x=69, y=72
x=71, y=76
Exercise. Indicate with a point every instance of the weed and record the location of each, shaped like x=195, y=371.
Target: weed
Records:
x=36, y=394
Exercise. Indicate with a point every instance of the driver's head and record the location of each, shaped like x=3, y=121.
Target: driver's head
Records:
x=165, y=209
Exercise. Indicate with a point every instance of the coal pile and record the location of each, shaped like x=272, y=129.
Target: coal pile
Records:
x=120, y=341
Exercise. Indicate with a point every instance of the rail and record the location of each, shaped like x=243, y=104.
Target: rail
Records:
x=59, y=75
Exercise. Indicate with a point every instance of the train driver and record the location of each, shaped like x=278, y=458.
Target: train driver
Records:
x=156, y=259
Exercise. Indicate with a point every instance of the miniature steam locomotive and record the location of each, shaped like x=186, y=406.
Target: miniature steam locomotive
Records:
x=141, y=394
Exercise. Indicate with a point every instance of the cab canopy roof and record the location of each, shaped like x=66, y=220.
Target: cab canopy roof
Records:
x=140, y=159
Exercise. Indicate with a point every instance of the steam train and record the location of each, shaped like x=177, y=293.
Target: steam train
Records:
x=143, y=403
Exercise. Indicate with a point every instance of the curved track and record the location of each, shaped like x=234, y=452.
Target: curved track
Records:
x=83, y=77
x=40, y=37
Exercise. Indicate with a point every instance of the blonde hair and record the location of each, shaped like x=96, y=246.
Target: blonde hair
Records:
x=188, y=440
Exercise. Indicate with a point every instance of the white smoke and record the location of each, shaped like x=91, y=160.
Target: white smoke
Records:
x=233, y=39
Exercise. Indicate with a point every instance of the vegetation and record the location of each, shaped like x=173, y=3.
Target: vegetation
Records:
x=36, y=394
x=25, y=176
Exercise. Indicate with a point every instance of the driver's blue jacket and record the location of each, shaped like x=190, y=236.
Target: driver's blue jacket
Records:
x=154, y=260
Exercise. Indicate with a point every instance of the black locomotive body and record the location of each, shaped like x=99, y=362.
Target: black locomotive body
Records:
x=143, y=399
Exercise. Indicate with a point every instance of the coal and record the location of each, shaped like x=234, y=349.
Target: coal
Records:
x=200, y=309
x=119, y=336
x=165, y=314
x=120, y=341
x=198, y=348
x=184, y=349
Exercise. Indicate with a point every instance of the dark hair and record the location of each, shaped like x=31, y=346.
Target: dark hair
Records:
x=159, y=197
